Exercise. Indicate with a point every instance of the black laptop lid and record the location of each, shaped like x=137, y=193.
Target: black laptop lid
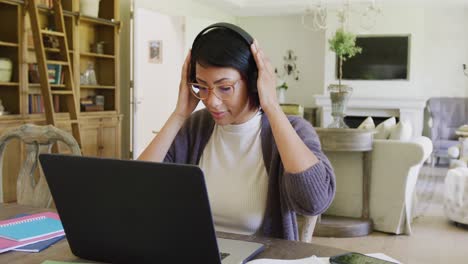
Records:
x=132, y=211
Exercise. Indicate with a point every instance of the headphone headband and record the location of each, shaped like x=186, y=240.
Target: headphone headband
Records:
x=246, y=36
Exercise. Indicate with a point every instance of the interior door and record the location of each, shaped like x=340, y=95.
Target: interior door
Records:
x=158, y=55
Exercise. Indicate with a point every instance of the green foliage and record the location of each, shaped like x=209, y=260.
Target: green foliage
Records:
x=283, y=86
x=344, y=44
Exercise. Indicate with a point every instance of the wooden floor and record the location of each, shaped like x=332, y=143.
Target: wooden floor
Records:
x=434, y=240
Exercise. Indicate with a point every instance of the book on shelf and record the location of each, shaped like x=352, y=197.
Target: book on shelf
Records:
x=26, y=230
x=54, y=73
x=89, y=104
x=36, y=103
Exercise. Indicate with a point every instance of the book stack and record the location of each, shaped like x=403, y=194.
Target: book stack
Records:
x=89, y=104
x=31, y=233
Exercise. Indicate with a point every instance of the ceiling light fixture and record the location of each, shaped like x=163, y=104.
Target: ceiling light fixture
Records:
x=315, y=16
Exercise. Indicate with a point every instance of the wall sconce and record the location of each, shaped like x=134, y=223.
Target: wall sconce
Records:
x=465, y=71
x=289, y=67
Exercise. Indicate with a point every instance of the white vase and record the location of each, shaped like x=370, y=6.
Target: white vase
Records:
x=281, y=95
x=339, y=95
x=5, y=70
x=89, y=7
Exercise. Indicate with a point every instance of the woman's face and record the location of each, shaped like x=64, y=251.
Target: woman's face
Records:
x=235, y=109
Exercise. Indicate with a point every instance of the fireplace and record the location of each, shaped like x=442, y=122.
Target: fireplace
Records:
x=355, y=121
x=359, y=108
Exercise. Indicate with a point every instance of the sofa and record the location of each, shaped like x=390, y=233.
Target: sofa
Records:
x=395, y=166
x=447, y=114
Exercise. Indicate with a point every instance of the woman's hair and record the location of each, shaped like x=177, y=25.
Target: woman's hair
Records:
x=222, y=47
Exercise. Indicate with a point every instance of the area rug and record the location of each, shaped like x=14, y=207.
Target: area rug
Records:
x=429, y=189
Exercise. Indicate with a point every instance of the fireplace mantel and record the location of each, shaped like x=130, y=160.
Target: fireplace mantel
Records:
x=411, y=109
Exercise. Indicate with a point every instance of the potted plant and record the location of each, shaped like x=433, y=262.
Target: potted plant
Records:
x=344, y=45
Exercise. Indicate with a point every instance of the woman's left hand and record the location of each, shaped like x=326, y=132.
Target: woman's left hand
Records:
x=266, y=82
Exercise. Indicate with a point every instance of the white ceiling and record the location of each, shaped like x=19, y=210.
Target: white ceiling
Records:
x=288, y=7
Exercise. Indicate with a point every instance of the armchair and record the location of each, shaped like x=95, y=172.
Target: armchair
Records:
x=446, y=115
x=392, y=190
x=395, y=166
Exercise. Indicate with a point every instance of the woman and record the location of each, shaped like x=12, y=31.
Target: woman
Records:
x=260, y=166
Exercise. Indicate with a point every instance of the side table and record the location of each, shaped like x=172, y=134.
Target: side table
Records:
x=348, y=140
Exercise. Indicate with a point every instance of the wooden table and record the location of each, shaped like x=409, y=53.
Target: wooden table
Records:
x=274, y=248
x=348, y=140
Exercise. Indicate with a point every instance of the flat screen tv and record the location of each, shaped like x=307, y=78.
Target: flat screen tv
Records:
x=382, y=58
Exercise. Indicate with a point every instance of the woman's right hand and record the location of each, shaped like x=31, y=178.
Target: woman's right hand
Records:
x=186, y=102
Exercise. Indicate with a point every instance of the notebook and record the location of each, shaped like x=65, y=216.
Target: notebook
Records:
x=30, y=227
x=39, y=246
x=8, y=244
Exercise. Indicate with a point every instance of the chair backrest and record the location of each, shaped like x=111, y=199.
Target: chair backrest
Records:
x=448, y=114
x=37, y=139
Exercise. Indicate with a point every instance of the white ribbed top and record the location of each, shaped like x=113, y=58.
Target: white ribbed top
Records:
x=236, y=177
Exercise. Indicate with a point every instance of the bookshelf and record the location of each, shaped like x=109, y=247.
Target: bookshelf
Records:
x=91, y=40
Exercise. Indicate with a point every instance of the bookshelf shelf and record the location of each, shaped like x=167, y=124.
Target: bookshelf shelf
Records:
x=47, y=10
x=49, y=50
x=97, y=87
x=99, y=21
x=9, y=84
x=8, y=44
x=97, y=55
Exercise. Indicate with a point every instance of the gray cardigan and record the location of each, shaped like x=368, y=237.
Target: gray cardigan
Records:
x=308, y=193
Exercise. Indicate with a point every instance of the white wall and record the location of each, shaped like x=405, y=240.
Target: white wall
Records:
x=276, y=35
x=196, y=16
x=446, y=41
x=439, y=44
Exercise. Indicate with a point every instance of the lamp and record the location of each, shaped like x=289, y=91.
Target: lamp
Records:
x=315, y=16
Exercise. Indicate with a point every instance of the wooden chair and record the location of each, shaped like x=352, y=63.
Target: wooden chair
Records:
x=31, y=190
x=307, y=228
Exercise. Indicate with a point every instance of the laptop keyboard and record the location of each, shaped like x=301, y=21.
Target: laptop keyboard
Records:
x=224, y=255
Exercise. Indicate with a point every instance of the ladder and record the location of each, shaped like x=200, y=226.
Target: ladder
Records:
x=63, y=60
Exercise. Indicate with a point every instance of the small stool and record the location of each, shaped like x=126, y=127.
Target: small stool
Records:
x=456, y=195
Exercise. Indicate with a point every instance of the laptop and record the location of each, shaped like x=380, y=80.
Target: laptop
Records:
x=123, y=211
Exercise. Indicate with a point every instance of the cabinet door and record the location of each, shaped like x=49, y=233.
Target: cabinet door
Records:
x=90, y=134
x=109, y=144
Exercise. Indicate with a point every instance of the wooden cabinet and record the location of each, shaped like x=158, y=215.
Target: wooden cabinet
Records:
x=91, y=41
x=102, y=137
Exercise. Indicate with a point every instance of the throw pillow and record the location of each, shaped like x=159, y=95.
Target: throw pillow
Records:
x=402, y=131
x=463, y=128
x=384, y=128
x=368, y=123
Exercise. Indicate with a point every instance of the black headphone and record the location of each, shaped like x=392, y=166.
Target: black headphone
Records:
x=246, y=36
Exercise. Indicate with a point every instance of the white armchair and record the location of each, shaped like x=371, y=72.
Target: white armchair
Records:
x=395, y=168
x=394, y=172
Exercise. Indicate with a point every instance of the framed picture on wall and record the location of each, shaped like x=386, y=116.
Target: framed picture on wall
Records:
x=155, y=51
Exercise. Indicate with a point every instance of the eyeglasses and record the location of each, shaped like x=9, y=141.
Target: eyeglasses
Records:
x=222, y=91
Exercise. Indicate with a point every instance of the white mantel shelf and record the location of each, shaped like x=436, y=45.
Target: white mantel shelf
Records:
x=411, y=109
